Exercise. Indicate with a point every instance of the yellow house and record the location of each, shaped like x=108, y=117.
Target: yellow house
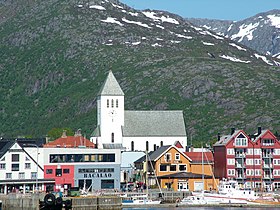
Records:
x=181, y=171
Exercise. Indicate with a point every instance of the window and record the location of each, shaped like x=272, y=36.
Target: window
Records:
x=241, y=142
x=250, y=151
x=86, y=158
x=112, y=137
x=231, y=172
x=21, y=175
x=230, y=161
x=257, y=161
x=66, y=171
x=173, y=168
x=257, y=151
x=167, y=157
x=112, y=103
x=15, y=167
x=2, y=165
x=182, y=167
x=8, y=175
x=15, y=157
x=177, y=156
x=49, y=171
x=107, y=184
x=33, y=175
x=249, y=162
x=230, y=151
x=117, y=103
x=58, y=172
x=108, y=103
x=27, y=165
x=163, y=167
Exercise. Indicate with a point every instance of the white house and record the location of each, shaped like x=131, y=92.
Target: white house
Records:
x=21, y=167
x=132, y=129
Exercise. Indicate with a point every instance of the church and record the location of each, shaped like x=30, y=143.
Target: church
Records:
x=134, y=130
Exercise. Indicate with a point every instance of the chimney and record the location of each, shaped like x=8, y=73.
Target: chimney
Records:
x=259, y=130
x=232, y=131
x=219, y=136
x=64, y=134
x=155, y=147
x=78, y=132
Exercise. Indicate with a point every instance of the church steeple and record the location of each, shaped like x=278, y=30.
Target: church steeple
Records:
x=111, y=87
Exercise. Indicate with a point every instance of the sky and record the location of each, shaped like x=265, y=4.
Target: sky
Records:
x=211, y=9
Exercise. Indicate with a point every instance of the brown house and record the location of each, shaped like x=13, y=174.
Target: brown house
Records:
x=175, y=170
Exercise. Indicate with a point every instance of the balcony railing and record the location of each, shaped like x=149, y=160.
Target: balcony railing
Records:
x=238, y=155
x=268, y=144
x=267, y=166
x=240, y=177
x=240, y=166
x=267, y=156
x=268, y=177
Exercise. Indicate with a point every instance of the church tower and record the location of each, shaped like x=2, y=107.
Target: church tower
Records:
x=110, y=111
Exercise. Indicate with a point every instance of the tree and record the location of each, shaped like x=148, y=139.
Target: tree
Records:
x=56, y=133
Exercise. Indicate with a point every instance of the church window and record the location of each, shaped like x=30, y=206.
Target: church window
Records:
x=108, y=103
x=117, y=103
x=112, y=103
x=112, y=137
x=147, y=146
x=132, y=146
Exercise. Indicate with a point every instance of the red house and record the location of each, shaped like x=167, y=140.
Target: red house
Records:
x=251, y=160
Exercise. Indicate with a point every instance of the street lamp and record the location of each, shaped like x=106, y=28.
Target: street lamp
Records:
x=36, y=183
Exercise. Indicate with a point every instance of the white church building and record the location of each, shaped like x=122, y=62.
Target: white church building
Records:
x=133, y=130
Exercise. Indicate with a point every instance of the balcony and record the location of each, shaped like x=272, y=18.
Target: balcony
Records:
x=238, y=155
x=264, y=155
x=268, y=177
x=240, y=177
x=240, y=165
x=269, y=166
x=268, y=144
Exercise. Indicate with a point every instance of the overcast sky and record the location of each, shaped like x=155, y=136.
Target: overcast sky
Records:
x=211, y=9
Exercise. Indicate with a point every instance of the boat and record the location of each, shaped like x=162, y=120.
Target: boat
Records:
x=142, y=199
x=229, y=192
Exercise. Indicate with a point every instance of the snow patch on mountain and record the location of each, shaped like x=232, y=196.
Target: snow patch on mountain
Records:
x=275, y=20
x=233, y=59
x=246, y=31
x=135, y=22
x=263, y=58
x=238, y=47
x=153, y=16
x=208, y=43
x=112, y=20
x=159, y=26
x=133, y=13
x=97, y=7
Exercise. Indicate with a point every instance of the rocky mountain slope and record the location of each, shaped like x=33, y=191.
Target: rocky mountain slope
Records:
x=55, y=55
x=260, y=32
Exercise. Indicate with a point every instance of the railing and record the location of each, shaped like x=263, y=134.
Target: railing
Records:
x=240, y=166
x=267, y=156
x=241, y=177
x=268, y=177
x=268, y=144
x=240, y=155
x=267, y=165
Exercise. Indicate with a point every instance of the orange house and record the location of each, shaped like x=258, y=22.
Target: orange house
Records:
x=182, y=171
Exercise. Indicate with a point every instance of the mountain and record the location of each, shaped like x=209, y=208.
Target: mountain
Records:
x=55, y=55
x=260, y=32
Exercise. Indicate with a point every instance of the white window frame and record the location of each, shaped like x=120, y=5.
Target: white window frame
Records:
x=177, y=156
x=165, y=157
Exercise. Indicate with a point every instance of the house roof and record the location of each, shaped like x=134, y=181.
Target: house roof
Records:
x=71, y=141
x=153, y=123
x=154, y=155
x=6, y=144
x=182, y=175
x=226, y=138
x=196, y=157
x=256, y=138
x=111, y=87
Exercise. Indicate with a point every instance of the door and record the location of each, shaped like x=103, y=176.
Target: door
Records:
x=198, y=186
